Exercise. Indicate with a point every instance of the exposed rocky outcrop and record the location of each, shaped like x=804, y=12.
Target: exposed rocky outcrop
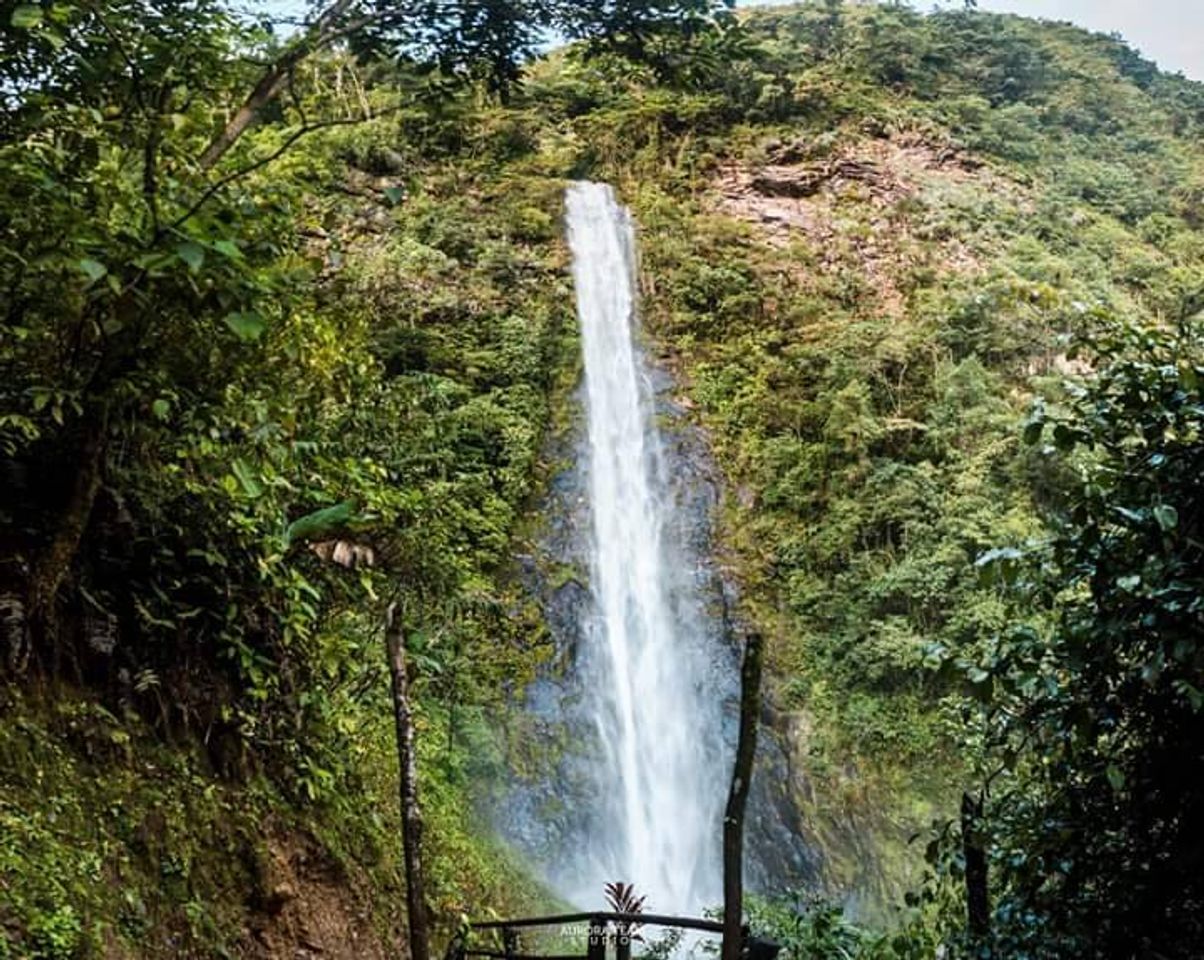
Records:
x=801, y=192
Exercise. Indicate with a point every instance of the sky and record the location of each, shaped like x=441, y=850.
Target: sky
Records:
x=1169, y=32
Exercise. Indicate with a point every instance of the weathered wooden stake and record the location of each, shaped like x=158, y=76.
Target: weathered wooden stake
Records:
x=737, y=799
x=597, y=940
x=978, y=902
x=411, y=813
x=623, y=942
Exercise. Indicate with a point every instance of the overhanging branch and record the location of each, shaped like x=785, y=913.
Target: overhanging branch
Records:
x=249, y=168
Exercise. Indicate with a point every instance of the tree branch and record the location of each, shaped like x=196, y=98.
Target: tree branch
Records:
x=243, y=171
x=270, y=85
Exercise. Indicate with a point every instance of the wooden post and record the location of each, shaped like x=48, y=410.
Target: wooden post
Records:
x=509, y=942
x=411, y=813
x=978, y=902
x=623, y=941
x=597, y=939
x=737, y=799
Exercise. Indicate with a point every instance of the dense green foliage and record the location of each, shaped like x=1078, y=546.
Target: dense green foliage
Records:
x=131, y=840
x=864, y=378
x=977, y=194
x=210, y=398
x=1090, y=724
x=861, y=379
x=865, y=374
x=243, y=409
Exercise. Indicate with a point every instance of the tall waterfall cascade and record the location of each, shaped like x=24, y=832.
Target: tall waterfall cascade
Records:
x=660, y=765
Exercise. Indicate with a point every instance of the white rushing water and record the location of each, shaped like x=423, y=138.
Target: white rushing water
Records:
x=662, y=770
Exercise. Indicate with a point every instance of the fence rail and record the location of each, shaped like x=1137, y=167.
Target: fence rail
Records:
x=604, y=928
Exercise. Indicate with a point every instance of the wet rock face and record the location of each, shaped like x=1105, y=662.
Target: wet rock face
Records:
x=564, y=608
x=542, y=810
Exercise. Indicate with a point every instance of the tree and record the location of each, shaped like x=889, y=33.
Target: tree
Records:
x=136, y=238
x=830, y=29
x=482, y=39
x=1091, y=819
x=103, y=247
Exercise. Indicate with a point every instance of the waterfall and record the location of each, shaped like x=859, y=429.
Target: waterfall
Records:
x=618, y=760
x=660, y=766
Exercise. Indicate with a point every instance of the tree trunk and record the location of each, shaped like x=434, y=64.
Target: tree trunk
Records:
x=737, y=799
x=411, y=813
x=267, y=90
x=51, y=565
x=978, y=903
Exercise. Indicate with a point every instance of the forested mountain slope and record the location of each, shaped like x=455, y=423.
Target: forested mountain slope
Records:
x=870, y=240
x=866, y=253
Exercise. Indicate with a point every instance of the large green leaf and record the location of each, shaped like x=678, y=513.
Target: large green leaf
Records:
x=192, y=254
x=249, y=482
x=247, y=325
x=26, y=15
x=228, y=248
x=319, y=522
x=1167, y=516
x=94, y=269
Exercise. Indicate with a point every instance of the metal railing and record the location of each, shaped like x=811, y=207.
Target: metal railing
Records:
x=604, y=928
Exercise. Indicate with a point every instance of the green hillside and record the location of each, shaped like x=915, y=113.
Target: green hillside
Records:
x=866, y=256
